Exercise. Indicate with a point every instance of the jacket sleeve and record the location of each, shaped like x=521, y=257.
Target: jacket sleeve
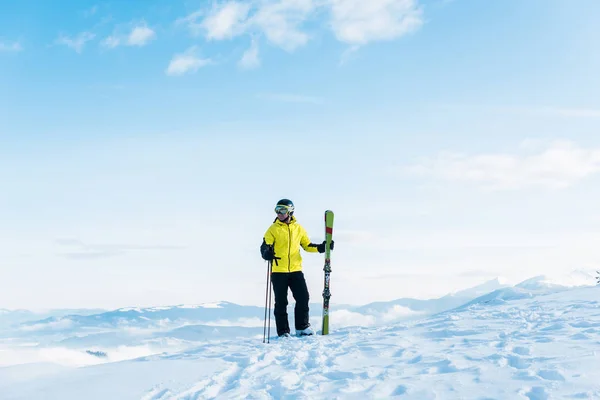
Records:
x=268, y=241
x=306, y=243
x=269, y=237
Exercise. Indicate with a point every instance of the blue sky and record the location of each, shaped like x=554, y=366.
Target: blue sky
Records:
x=143, y=145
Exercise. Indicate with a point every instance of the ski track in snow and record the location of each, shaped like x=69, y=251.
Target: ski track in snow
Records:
x=539, y=348
x=534, y=349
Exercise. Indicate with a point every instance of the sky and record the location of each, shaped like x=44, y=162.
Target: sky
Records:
x=144, y=145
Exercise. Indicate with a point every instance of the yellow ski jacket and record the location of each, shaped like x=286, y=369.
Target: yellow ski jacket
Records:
x=286, y=240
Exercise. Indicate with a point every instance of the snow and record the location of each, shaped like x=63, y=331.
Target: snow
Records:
x=136, y=309
x=539, y=339
x=205, y=305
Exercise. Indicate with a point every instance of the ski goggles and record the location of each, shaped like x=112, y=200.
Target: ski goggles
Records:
x=283, y=210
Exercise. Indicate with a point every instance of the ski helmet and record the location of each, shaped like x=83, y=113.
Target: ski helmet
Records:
x=287, y=204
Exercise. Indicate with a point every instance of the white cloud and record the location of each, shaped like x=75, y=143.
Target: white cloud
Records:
x=226, y=21
x=191, y=21
x=345, y=318
x=14, y=46
x=63, y=323
x=398, y=312
x=111, y=42
x=559, y=165
x=186, y=62
x=250, y=58
x=359, y=22
x=280, y=22
x=78, y=42
x=140, y=36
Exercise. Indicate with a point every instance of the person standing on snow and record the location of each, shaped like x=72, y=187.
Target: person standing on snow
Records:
x=281, y=245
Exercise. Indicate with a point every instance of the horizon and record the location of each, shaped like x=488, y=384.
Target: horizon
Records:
x=538, y=341
x=143, y=146
x=576, y=278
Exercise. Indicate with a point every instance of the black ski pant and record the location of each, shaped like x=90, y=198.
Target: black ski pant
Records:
x=296, y=282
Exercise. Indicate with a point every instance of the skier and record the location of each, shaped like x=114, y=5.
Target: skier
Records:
x=281, y=245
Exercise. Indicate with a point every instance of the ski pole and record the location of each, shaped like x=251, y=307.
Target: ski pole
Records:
x=267, y=301
x=270, y=291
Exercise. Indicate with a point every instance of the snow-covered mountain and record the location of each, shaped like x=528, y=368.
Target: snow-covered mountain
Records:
x=152, y=317
x=152, y=327
x=224, y=314
x=407, y=308
x=155, y=329
x=10, y=318
x=535, y=340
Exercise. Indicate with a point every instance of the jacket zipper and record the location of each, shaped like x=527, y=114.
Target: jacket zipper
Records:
x=289, y=248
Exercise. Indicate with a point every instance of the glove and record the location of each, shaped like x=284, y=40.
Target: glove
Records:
x=269, y=253
x=321, y=247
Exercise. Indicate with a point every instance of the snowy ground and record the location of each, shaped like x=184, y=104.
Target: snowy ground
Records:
x=526, y=342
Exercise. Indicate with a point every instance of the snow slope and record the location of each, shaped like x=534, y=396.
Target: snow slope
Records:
x=525, y=342
x=165, y=318
x=133, y=331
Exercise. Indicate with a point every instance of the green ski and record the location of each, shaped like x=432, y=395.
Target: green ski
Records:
x=327, y=269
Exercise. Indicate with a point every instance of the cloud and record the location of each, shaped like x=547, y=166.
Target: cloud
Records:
x=558, y=165
x=346, y=318
x=186, y=62
x=250, y=58
x=111, y=42
x=282, y=22
x=290, y=98
x=80, y=250
x=359, y=22
x=10, y=47
x=59, y=324
x=140, y=35
x=398, y=312
x=279, y=21
x=78, y=42
x=226, y=21
x=193, y=22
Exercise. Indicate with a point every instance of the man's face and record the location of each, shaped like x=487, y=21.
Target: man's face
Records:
x=282, y=217
x=282, y=213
